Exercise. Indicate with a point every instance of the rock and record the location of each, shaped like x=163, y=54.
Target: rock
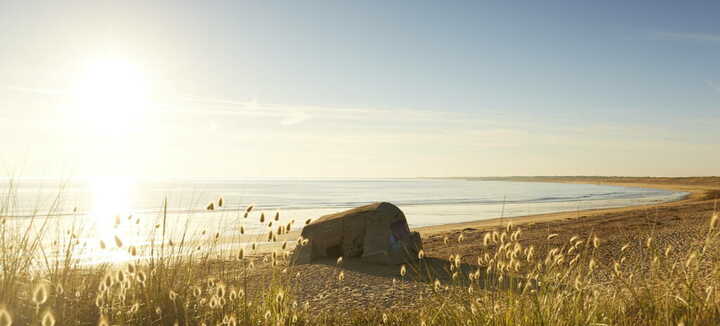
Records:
x=378, y=233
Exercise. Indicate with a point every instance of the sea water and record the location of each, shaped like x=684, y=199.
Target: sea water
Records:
x=109, y=207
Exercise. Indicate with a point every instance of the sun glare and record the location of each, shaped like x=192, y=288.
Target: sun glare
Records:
x=111, y=95
x=111, y=203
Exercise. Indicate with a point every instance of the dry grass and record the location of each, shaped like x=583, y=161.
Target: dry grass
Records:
x=516, y=275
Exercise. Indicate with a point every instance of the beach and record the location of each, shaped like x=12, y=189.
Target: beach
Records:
x=381, y=287
x=337, y=289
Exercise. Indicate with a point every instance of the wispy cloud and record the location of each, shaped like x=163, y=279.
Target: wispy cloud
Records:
x=703, y=37
x=38, y=91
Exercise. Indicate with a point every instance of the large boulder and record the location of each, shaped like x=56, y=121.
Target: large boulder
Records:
x=378, y=233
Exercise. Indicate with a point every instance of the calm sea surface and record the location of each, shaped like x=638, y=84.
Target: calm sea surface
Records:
x=93, y=207
x=424, y=201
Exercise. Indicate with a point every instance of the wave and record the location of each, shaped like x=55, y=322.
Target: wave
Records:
x=284, y=206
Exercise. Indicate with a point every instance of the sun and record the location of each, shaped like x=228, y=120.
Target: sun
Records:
x=110, y=95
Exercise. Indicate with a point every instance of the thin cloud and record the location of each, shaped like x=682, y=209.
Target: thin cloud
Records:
x=703, y=37
x=291, y=115
x=295, y=118
x=39, y=91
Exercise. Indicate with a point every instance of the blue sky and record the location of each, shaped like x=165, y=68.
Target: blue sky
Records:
x=369, y=89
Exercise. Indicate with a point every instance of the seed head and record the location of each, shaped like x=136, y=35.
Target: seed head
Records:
x=5, y=318
x=120, y=276
x=341, y=276
x=690, y=259
x=210, y=206
x=486, y=239
x=141, y=277
x=421, y=254
x=118, y=242
x=99, y=301
x=339, y=261
x=48, y=319
x=552, y=236
x=213, y=302
x=108, y=281
x=262, y=217
x=220, y=291
x=403, y=270
x=40, y=295
x=277, y=215
x=624, y=247
x=220, y=202
x=308, y=221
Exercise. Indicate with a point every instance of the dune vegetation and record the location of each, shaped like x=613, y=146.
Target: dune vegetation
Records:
x=175, y=281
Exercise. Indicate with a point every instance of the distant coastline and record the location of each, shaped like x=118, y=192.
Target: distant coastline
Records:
x=699, y=189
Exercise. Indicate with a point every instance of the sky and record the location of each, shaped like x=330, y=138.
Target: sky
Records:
x=359, y=88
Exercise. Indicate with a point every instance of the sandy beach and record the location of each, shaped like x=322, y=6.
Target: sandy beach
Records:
x=699, y=189
x=379, y=287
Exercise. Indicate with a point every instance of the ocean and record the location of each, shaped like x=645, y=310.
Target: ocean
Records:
x=106, y=207
x=424, y=201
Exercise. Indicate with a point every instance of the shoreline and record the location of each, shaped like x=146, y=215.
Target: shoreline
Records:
x=696, y=194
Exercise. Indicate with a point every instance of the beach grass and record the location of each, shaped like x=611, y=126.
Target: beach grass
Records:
x=173, y=281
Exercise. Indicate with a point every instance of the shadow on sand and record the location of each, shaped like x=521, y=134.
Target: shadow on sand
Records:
x=430, y=269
